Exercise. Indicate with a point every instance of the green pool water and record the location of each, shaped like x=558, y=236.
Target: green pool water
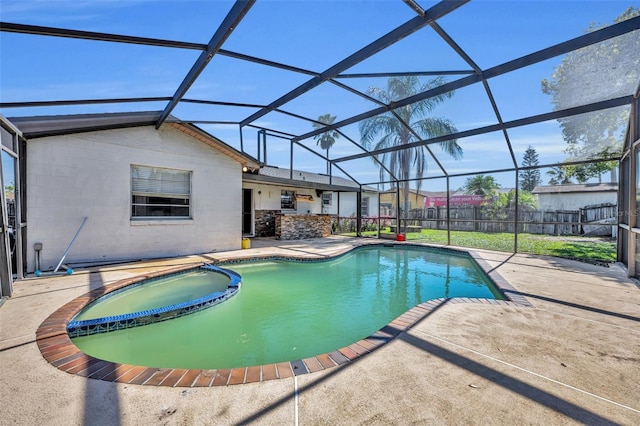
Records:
x=157, y=294
x=289, y=310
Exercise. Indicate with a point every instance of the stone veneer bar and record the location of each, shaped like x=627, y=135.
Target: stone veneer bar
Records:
x=301, y=226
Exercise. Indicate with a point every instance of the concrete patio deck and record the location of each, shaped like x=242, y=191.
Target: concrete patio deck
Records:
x=572, y=358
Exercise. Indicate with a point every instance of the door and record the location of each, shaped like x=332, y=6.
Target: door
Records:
x=247, y=211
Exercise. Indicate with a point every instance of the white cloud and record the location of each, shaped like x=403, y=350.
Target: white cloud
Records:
x=41, y=11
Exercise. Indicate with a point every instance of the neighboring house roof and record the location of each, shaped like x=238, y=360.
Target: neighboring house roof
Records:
x=582, y=187
x=276, y=175
x=55, y=125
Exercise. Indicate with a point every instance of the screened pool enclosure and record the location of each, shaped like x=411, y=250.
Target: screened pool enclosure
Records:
x=483, y=124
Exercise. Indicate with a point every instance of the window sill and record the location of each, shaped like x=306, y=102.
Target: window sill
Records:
x=160, y=222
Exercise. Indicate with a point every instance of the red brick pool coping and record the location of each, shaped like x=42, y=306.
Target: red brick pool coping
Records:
x=58, y=349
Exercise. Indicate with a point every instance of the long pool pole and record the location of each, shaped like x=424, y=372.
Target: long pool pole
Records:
x=70, y=244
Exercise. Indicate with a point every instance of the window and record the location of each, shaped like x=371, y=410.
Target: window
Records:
x=364, y=206
x=159, y=193
x=326, y=198
x=287, y=200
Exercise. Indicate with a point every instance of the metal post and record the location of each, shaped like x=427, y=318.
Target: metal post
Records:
x=291, y=160
x=515, y=219
x=338, y=208
x=448, y=215
x=397, y=207
x=6, y=276
x=264, y=145
x=379, y=222
x=18, y=205
x=258, y=143
x=633, y=164
x=359, y=213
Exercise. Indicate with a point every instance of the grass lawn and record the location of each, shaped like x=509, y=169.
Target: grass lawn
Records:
x=586, y=249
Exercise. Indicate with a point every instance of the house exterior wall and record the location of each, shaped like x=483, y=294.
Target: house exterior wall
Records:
x=266, y=205
x=89, y=175
x=267, y=197
x=574, y=200
x=416, y=201
x=348, y=204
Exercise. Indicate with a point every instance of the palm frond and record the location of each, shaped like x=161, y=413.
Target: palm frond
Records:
x=327, y=139
x=434, y=127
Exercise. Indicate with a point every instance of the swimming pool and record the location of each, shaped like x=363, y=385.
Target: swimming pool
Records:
x=291, y=310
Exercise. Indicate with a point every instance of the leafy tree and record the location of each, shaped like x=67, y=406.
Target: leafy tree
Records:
x=584, y=172
x=386, y=131
x=563, y=174
x=10, y=189
x=502, y=202
x=327, y=139
x=560, y=175
x=609, y=65
x=481, y=185
x=530, y=178
x=526, y=200
x=598, y=169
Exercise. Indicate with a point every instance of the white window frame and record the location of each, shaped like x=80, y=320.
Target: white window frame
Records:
x=327, y=199
x=168, y=189
x=364, y=206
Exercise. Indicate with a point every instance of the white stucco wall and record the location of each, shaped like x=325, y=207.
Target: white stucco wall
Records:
x=89, y=175
x=267, y=197
x=575, y=200
x=348, y=204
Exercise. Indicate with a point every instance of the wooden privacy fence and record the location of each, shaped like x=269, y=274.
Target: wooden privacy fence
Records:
x=597, y=219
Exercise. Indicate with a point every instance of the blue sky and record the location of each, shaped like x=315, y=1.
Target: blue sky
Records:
x=312, y=35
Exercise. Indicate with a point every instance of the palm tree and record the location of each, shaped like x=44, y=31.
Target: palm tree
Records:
x=481, y=185
x=386, y=131
x=327, y=139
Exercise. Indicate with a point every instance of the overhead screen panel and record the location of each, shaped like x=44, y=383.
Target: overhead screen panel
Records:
x=589, y=75
x=602, y=71
x=330, y=99
x=364, y=170
x=116, y=72
x=467, y=108
x=423, y=50
x=241, y=81
x=518, y=94
x=304, y=34
x=591, y=136
x=306, y=160
x=349, y=142
x=197, y=111
x=492, y=38
x=481, y=152
x=356, y=23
